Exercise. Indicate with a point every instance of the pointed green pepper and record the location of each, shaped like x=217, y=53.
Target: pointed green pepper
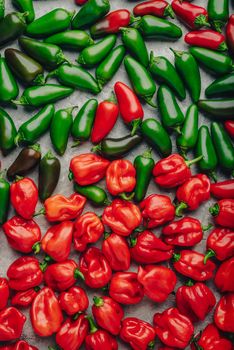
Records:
x=144, y=165
x=90, y=12
x=49, y=172
x=218, y=13
x=5, y=198
x=135, y=44
x=8, y=86
x=71, y=40
x=223, y=109
x=2, y=8
x=7, y=132
x=25, y=6
x=221, y=86
x=93, y=193
x=12, y=26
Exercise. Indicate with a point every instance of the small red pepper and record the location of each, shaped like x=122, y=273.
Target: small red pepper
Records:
x=23, y=345
x=112, y=22
x=191, y=264
x=22, y=235
x=74, y=300
x=195, y=301
x=108, y=314
x=11, y=324
x=80, y=2
x=125, y=288
x=88, y=229
x=116, y=250
x=4, y=292
x=158, y=8
x=223, y=190
x=224, y=276
x=230, y=33
x=25, y=298
x=122, y=217
x=88, y=168
x=140, y=335
x=220, y=243
x=224, y=313
x=24, y=273
x=99, y=339
x=157, y=210
x=194, y=17
x=24, y=197
x=192, y=193
x=61, y=208
x=95, y=268
x=158, y=281
x=173, y=328
x=223, y=212
x=229, y=124
x=129, y=106
x=207, y=38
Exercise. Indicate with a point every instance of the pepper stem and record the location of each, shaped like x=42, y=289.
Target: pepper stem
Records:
x=92, y=324
x=40, y=212
x=97, y=148
x=36, y=147
x=201, y=21
x=180, y=208
x=106, y=235
x=213, y=176
x=98, y=301
x=210, y=253
x=189, y=283
x=176, y=52
x=127, y=197
x=134, y=19
x=70, y=175
x=49, y=155
x=149, y=101
x=169, y=12
x=43, y=266
x=78, y=274
x=214, y=210
x=176, y=257
x=112, y=98
x=17, y=139
x=151, y=344
x=193, y=161
x=135, y=126
x=206, y=228
x=148, y=153
x=36, y=248
x=37, y=289
x=75, y=144
x=52, y=74
x=21, y=102
x=133, y=241
x=222, y=47
x=218, y=25
x=177, y=129
x=39, y=80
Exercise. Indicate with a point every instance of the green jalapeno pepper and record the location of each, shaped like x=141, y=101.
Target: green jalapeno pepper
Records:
x=25, y=6
x=144, y=165
x=141, y=80
x=135, y=44
x=5, y=198
x=90, y=13
x=155, y=134
x=33, y=128
x=223, y=146
x=12, y=26
x=94, y=54
x=2, y=8
x=221, y=86
x=93, y=193
x=223, y=109
x=110, y=65
x=218, y=12
x=49, y=172
x=7, y=132
x=8, y=86
x=71, y=40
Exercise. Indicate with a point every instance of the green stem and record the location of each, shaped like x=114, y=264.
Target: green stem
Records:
x=43, y=266
x=40, y=212
x=213, y=176
x=149, y=101
x=126, y=197
x=151, y=344
x=75, y=144
x=106, y=235
x=176, y=257
x=189, y=283
x=70, y=175
x=148, y=153
x=98, y=301
x=210, y=253
x=177, y=129
x=78, y=274
x=135, y=126
x=36, y=248
x=97, y=148
x=92, y=324
x=180, y=208
x=169, y=12
x=206, y=228
x=133, y=241
x=193, y=161
x=214, y=210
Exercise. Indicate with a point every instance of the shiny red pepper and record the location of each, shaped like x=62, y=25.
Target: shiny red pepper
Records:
x=74, y=300
x=24, y=273
x=108, y=314
x=24, y=197
x=173, y=328
x=116, y=250
x=25, y=298
x=61, y=208
x=125, y=288
x=112, y=23
x=120, y=177
x=230, y=33
x=224, y=276
x=158, y=281
x=80, y=2
x=224, y=313
x=95, y=268
x=191, y=264
x=192, y=193
x=223, y=213
x=158, y=8
x=195, y=301
x=140, y=335
x=88, y=168
x=4, y=292
x=191, y=15
x=207, y=38
x=122, y=217
x=23, y=345
x=88, y=229
x=99, y=339
x=223, y=190
x=157, y=210
x=11, y=324
x=229, y=126
x=220, y=243
x=21, y=234
x=129, y=106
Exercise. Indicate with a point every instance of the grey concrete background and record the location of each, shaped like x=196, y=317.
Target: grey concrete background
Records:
x=146, y=308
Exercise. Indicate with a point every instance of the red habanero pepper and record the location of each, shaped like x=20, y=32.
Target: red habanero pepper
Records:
x=23, y=345
x=173, y=328
x=105, y=119
x=223, y=212
x=108, y=314
x=229, y=125
x=129, y=106
x=88, y=168
x=191, y=264
x=157, y=210
x=223, y=190
x=191, y=15
x=95, y=268
x=112, y=22
x=25, y=298
x=99, y=339
x=224, y=313
x=122, y=217
x=147, y=248
x=220, y=243
x=158, y=8
x=116, y=250
x=125, y=288
x=4, y=292
x=192, y=193
x=230, y=33
x=137, y=333
x=207, y=38
x=24, y=197
x=22, y=235
x=88, y=229
x=195, y=301
x=61, y=208
x=57, y=241
x=120, y=177
x=46, y=315
x=80, y=2
x=24, y=273
x=74, y=300
x=72, y=334
x=11, y=324
x=224, y=276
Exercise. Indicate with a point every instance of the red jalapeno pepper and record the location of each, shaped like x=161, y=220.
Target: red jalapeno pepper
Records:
x=207, y=38
x=99, y=339
x=220, y=243
x=4, y=292
x=25, y=298
x=116, y=250
x=224, y=276
x=224, y=313
x=74, y=300
x=223, y=190
x=158, y=8
x=229, y=126
x=230, y=33
x=223, y=213
x=11, y=324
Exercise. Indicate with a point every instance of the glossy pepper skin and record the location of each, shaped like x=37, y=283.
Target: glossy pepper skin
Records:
x=189, y=131
x=116, y=250
x=144, y=165
x=229, y=126
x=88, y=228
x=26, y=6
x=12, y=26
x=96, y=195
x=125, y=288
x=220, y=243
x=11, y=324
x=90, y=13
x=22, y=235
x=223, y=189
x=8, y=86
x=108, y=314
x=218, y=12
x=147, y=248
x=45, y=313
x=25, y=298
x=229, y=33
x=4, y=292
x=74, y=300
x=7, y=133
x=122, y=217
x=137, y=333
x=158, y=8
x=5, y=199
x=151, y=277
x=206, y=38
x=218, y=108
x=224, y=313
x=158, y=28
x=70, y=39
x=223, y=212
x=157, y=210
x=2, y=9
x=97, y=339
x=173, y=328
x=221, y=87
x=49, y=172
x=191, y=15
x=223, y=278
